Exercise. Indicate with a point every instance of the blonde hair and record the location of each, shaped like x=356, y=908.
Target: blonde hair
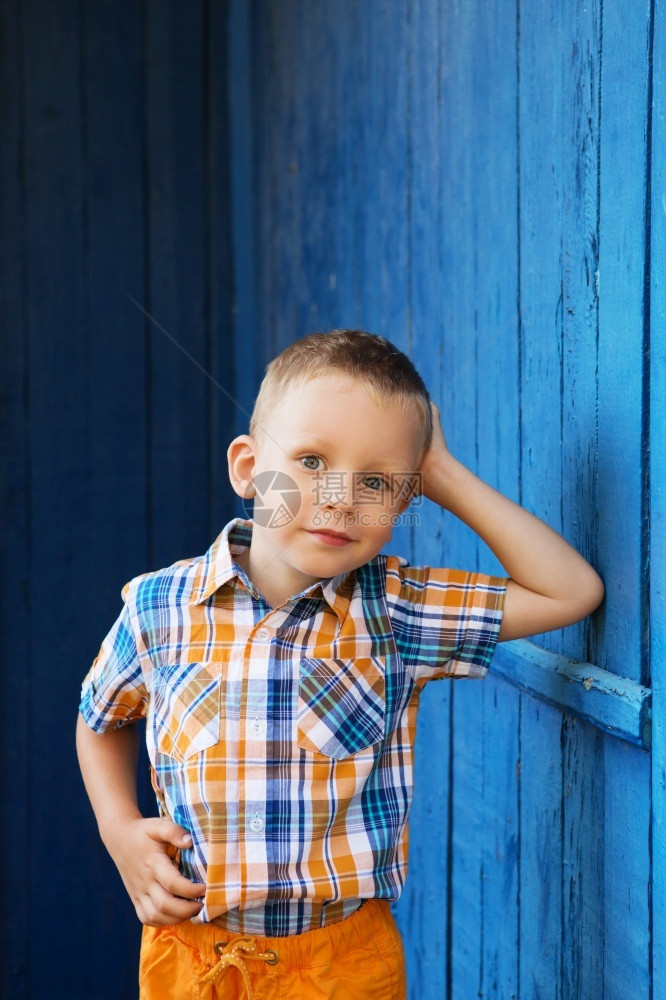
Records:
x=374, y=361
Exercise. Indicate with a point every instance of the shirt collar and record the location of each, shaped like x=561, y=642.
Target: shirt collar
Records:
x=217, y=567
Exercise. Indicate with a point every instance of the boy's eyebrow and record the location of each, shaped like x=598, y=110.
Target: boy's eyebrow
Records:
x=305, y=440
x=376, y=465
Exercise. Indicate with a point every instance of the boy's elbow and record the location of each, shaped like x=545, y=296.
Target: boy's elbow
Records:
x=591, y=592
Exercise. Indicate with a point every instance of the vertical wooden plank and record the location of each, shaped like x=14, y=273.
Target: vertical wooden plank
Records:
x=486, y=835
x=627, y=891
x=657, y=531
x=269, y=108
x=580, y=86
x=625, y=82
x=58, y=357
x=283, y=162
x=219, y=39
x=465, y=296
x=179, y=391
x=466, y=768
x=243, y=125
x=112, y=210
x=15, y=508
x=422, y=912
x=497, y=445
x=582, y=745
x=314, y=155
x=540, y=41
x=385, y=265
x=347, y=166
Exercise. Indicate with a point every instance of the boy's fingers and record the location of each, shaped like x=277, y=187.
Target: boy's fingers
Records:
x=169, y=832
x=163, y=908
x=169, y=878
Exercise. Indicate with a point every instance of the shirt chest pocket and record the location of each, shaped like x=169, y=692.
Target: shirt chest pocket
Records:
x=341, y=705
x=186, y=708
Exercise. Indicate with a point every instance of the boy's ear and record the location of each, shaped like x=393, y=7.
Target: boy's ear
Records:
x=241, y=456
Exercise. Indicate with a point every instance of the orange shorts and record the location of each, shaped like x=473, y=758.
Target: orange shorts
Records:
x=358, y=958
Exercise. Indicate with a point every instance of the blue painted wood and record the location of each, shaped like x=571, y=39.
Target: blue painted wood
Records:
x=582, y=751
x=424, y=904
x=485, y=914
x=247, y=372
x=657, y=531
x=115, y=370
x=222, y=342
x=622, y=319
x=627, y=880
x=614, y=704
x=75, y=242
x=465, y=295
x=15, y=512
x=178, y=391
x=57, y=403
x=378, y=180
x=541, y=44
x=623, y=325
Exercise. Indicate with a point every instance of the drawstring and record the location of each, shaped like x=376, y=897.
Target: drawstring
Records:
x=235, y=952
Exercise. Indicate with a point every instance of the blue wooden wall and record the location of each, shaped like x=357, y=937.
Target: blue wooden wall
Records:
x=186, y=188
x=114, y=189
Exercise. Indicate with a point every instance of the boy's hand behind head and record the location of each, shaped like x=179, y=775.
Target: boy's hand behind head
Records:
x=437, y=459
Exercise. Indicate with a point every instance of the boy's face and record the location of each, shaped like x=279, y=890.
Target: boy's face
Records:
x=332, y=472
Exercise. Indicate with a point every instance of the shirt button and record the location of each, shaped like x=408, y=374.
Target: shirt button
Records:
x=264, y=634
x=256, y=823
x=257, y=726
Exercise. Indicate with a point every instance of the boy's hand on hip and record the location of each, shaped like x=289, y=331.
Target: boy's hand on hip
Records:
x=142, y=850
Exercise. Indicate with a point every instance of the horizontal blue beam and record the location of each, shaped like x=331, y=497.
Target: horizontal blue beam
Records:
x=615, y=704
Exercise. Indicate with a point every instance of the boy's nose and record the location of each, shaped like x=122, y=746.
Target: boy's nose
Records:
x=336, y=490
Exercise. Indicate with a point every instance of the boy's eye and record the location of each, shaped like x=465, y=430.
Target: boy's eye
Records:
x=311, y=462
x=375, y=482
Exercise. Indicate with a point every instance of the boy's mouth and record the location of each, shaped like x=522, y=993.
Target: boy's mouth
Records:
x=329, y=537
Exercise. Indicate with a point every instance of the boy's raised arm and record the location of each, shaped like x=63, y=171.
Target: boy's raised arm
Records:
x=140, y=847
x=550, y=584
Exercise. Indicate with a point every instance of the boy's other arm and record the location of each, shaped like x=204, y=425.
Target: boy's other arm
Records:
x=550, y=584
x=140, y=847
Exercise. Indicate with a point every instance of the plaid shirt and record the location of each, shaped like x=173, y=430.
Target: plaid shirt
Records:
x=282, y=739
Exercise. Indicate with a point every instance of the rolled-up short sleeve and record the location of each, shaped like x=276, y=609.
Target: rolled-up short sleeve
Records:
x=114, y=692
x=446, y=622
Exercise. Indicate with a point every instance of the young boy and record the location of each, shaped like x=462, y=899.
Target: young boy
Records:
x=280, y=674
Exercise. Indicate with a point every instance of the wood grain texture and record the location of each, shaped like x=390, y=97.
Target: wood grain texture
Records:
x=622, y=463
x=58, y=406
x=542, y=42
x=77, y=240
x=424, y=903
x=657, y=305
x=113, y=195
x=16, y=559
x=178, y=391
x=492, y=195
x=246, y=369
